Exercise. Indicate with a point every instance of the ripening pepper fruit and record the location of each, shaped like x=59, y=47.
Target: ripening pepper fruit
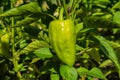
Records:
x=62, y=39
x=5, y=45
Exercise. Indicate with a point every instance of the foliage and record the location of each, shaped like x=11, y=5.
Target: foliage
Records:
x=25, y=50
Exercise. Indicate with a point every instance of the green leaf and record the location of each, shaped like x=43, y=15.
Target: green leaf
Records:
x=49, y=66
x=116, y=6
x=70, y=4
x=29, y=8
x=34, y=60
x=115, y=45
x=116, y=17
x=108, y=50
x=82, y=71
x=2, y=60
x=101, y=1
x=19, y=67
x=78, y=48
x=94, y=54
x=33, y=46
x=90, y=78
x=28, y=20
x=54, y=77
x=68, y=73
x=43, y=53
x=98, y=22
x=96, y=72
x=54, y=2
x=23, y=43
x=78, y=27
x=106, y=63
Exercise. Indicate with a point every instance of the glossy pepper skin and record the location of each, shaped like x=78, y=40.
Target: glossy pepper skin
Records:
x=62, y=39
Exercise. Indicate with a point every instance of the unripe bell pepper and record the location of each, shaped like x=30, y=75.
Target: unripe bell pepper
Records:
x=5, y=45
x=62, y=39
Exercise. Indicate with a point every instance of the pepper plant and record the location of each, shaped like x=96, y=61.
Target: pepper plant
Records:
x=59, y=39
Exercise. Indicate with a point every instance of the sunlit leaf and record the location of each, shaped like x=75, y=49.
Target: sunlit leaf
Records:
x=19, y=67
x=68, y=73
x=91, y=78
x=43, y=53
x=115, y=45
x=116, y=6
x=23, y=43
x=54, y=2
x=33, y=46
x=79, y=27
x=34, y=60
x=29, y=8
x=106, y=63
x=4, y=46
x=1, y=61
x=116, y=17
x=54, y=77
x=96, y=72
x=82, y=71
x=78, y=48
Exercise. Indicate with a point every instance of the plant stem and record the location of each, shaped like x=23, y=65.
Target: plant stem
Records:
x=58, y=2
x=61, y=14
x=65, y=8
x=83, y=78
x=75, y=5
x=49, y=15
x=15, y=62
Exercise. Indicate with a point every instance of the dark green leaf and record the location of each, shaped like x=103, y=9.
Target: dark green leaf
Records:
x=98, y=22
x=28, y=20
x=94, y=54
x=32, y=30
x=108, y=50
x=1, y=61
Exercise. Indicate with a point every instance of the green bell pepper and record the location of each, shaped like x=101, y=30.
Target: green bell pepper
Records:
x=62, y=38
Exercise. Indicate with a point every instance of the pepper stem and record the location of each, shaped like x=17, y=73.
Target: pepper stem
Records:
x=61, y=14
